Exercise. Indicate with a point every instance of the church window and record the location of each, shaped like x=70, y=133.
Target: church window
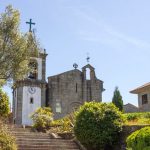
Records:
x=76, y=87
x=33, y=72
x=58, y=107
x=31, y=100
x=144, y=99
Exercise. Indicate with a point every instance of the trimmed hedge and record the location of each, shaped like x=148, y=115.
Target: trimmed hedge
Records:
x=139, y=140
x=97, y=125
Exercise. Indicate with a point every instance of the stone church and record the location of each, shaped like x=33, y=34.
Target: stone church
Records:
x=63, y=92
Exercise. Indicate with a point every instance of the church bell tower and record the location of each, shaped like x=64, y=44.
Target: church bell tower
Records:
x=30, y=93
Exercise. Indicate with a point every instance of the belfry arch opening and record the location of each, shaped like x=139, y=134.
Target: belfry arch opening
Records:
x=33, y=74
x=88, y=76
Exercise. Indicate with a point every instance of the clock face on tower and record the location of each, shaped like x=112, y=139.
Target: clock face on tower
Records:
x=32, y=90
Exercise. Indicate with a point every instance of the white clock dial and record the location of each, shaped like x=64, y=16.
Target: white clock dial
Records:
x=32, y=90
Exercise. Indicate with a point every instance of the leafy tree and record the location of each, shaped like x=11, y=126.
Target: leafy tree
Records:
x=16, y=48
x=4, y=104
x=117, y=99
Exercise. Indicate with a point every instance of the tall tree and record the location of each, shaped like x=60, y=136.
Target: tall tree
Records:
x=117, y=99
x=16, y=48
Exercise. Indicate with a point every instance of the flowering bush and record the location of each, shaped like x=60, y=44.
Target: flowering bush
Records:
x=7, y=141
x=42, y=118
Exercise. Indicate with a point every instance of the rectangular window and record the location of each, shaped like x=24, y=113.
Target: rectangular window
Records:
x=144, y=99
x=31, y=100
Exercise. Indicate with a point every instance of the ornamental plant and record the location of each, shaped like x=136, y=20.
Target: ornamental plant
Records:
x=4, y=104
x=64, y=125
x=97, y=125
x=42, y=118
x=7, y=141
x=139, y=140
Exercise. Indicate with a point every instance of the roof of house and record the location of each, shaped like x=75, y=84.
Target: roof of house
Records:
x=141, y=88
x=130, y=105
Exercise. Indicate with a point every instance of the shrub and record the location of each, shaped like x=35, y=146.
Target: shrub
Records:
x=147, y=115
x=98, y=125
x=64, y=125
x=132, y=116
x=42, y=118
x=139, y=140
x=7, y=141
x=4, y=104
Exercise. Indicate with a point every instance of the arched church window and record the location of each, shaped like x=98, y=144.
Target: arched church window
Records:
x=33, y=70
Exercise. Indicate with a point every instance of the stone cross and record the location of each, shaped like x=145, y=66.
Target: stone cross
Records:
x=30, y=24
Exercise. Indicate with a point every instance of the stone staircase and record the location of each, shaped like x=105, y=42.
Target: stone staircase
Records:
x=28, y=140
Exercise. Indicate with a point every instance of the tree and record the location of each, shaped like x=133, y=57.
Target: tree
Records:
x=117, y=99
x=4, y=104
x=16, y=48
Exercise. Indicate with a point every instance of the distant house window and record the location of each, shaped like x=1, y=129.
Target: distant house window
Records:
x=144, y=99
x=58, y=107
x=31, y=100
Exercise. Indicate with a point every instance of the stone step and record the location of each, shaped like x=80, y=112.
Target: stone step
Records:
x=29, y=140
x=49, y=140
x=46, y=148
x=46, y=142
x=54, y=147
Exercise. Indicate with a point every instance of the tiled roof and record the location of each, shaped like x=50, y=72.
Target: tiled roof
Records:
x=140, y=89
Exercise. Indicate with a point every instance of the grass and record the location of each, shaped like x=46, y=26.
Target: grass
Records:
x=137, y=118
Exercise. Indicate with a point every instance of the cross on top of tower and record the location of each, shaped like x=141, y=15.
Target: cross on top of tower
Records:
x=30, y=24
x=88, y=58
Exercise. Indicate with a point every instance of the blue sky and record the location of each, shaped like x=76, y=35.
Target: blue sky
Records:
x=116, y=34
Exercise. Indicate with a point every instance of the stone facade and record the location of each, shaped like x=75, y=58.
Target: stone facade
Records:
x=63, y=93
x=143, y=97
x=69, y=90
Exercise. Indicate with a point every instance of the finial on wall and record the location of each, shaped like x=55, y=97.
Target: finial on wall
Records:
x=75, y=66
